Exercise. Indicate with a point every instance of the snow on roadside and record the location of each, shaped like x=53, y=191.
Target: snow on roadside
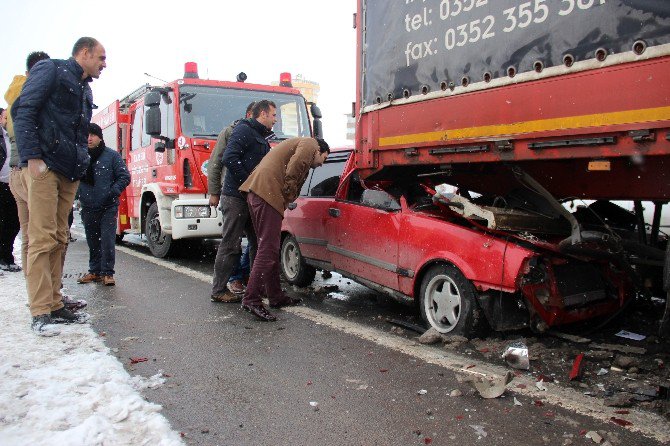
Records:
x=68, y=389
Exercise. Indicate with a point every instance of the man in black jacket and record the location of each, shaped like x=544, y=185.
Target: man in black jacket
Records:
x=247, y=145
x=51, y=130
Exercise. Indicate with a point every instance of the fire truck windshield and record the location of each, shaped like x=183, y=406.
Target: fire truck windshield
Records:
x=205, y=111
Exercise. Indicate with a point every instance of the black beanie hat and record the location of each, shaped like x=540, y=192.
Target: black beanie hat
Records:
x=94, y=129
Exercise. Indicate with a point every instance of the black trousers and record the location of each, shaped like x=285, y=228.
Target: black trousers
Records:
x=9, y=223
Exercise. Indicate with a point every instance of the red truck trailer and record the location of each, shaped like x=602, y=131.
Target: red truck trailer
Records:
x=523, y=122
x=523, y=107
x=166, y=135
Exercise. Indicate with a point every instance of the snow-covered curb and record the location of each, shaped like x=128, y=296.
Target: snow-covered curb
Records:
x=68, y=389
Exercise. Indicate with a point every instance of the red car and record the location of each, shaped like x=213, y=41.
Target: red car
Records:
x=437, y=252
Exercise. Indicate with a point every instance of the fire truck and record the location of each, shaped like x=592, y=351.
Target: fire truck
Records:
x=166, y=135
x=526, y=121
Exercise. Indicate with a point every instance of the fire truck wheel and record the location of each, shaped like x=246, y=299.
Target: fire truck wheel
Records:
x=160, y=243
x=448, y=302
x=293, y=266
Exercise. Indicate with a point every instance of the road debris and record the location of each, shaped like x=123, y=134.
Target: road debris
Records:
x=455, y=393
x=417, y=328
x=576, y=371
x=595, y=436
x=619, y=348
x=431, y=336
x=138, y=360
x=630, y=335
x=620, y=399
x=540, y=386
x=569, y=337
x=517, y=402
x=602, y=372
x=479, y=431
x=491, y=387
x=516, y=356
x=422, y=392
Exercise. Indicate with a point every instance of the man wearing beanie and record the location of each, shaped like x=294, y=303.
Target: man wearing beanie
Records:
x=105, y=179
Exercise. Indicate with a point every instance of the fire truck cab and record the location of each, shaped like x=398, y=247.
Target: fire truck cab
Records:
x=166, y=135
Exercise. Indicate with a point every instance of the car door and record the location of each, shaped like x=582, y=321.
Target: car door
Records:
x=305, y=218
x=363, y=240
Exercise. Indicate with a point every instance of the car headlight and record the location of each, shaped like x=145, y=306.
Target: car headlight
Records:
x=192, y=211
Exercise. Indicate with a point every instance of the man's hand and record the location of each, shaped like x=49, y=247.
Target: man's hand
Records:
x=36, y=167
x=214, y=200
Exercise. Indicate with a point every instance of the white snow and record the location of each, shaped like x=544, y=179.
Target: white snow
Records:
x=68, y=389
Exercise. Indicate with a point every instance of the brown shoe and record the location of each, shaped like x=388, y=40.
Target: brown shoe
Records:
x=89, y=277
x=236, y=287
x=108, y=280
x=226, y=298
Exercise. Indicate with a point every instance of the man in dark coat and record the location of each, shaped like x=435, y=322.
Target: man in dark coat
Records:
x=247, y=145
x=51, y=130
x=9, y=216
x=106, y=178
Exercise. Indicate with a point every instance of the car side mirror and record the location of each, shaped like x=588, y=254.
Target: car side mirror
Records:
x=380, y=199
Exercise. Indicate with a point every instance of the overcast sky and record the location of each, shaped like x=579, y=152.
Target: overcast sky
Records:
x=260, y=37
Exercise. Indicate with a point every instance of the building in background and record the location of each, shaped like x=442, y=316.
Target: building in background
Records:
x=351, y=127
x=309, y=89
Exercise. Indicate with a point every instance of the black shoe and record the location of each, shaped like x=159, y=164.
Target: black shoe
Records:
x=43, y=325
x=65, y=316
x=260, y=312
x=291, y=302
x=10, y=267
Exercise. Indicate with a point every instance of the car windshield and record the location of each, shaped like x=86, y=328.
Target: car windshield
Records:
x=205, y=111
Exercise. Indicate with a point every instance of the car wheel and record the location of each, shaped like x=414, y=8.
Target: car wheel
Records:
x=293, y=266
x=160, y=244
x=448, y=302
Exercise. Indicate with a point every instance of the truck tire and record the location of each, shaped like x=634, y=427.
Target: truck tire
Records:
x=447, y=302
x=119, y=238
x=160, y=244
x=293, y=266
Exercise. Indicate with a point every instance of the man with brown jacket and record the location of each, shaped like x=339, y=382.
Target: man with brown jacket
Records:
x=273, y=184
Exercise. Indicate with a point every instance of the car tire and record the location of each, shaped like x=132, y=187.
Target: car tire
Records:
x=447, y=302
x=293, y=266
x=160, y=244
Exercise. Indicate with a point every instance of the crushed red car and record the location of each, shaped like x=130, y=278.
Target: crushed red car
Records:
x=466, y=259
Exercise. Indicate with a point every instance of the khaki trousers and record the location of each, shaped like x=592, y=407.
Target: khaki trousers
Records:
x=50, y=198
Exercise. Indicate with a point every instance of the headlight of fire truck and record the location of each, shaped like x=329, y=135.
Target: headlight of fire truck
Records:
x=192, y=211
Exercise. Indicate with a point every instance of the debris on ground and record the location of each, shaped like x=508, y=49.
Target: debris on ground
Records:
x=516, y=356
x=630, y=335
x=138, y=360
x=417, y=328
x=569, y=337
x=517, y=402
x=619, y=348
x=422, y=392
x=479, y=431
x=626, y=362
x=432, y=336
x=540, y=386
x=620, y=399
x=595, y=436
x=490, y=387
x=455, y=393
x=315, y=405
x=452, y=342
x=576, y=371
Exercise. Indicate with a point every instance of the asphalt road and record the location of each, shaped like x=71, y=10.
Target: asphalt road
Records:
x=232, y=380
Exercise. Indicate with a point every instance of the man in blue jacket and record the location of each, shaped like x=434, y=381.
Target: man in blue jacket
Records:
x=51, y=131
x=247, y=145
x=106, y=178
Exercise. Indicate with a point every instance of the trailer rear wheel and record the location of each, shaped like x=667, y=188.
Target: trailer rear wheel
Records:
x=293, y=266
x=160, y=243
x=448, y=302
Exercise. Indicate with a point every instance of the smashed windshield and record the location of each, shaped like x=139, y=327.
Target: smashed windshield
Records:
x=205, y=111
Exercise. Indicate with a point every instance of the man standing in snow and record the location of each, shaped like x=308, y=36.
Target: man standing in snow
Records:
x=18, y=190
x=51, y=129
x=106, y=178
x=9, y=218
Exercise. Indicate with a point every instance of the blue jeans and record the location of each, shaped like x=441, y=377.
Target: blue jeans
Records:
x=100, y=228
x=242, y=269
